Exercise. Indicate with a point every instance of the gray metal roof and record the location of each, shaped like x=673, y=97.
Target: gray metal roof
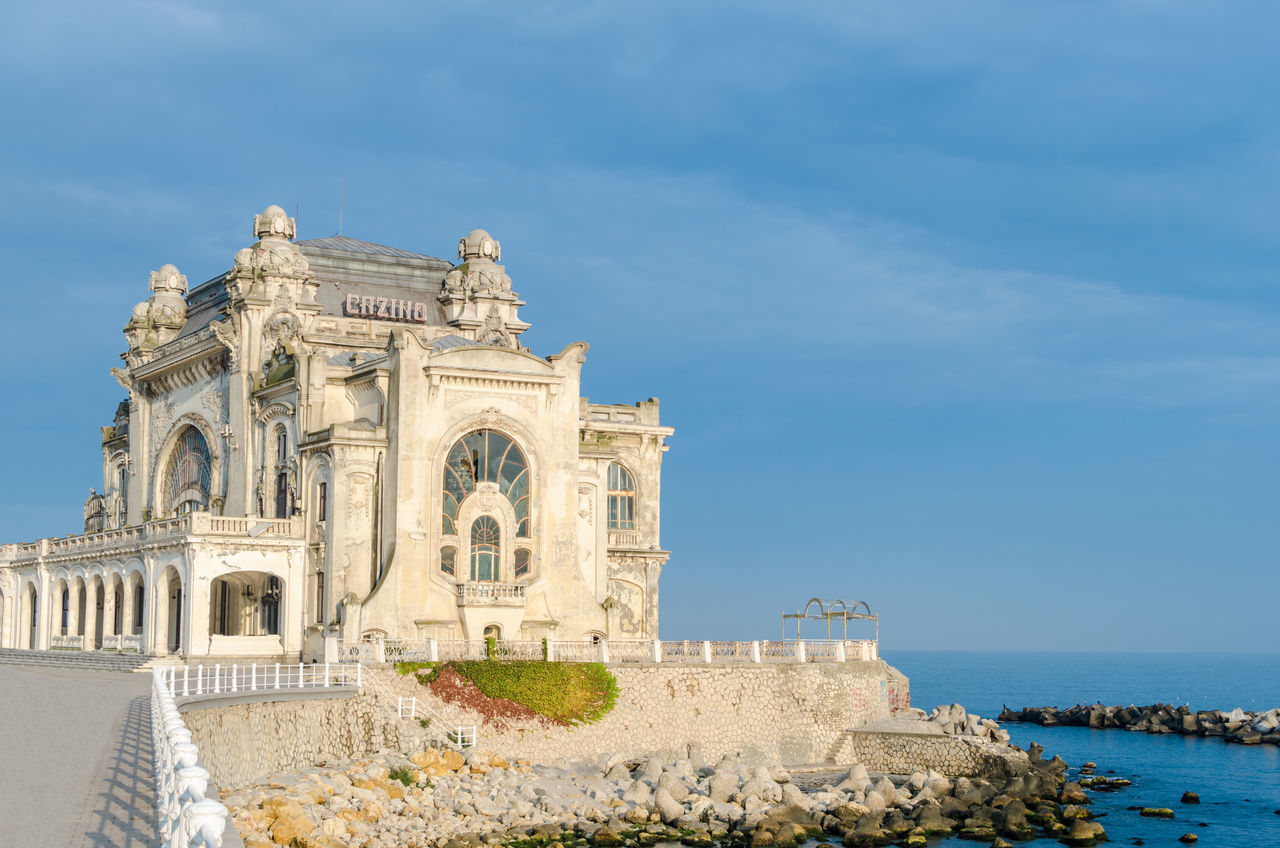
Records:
x=451, y=340
x=350, y=245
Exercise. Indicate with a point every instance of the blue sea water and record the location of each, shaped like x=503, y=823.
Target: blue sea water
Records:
x=1239, y=786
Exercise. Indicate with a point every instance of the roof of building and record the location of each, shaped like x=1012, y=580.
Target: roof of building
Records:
x=350, y=245
x=343, y=265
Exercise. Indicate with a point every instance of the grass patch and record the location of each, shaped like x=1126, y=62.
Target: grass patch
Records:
x=404, y=774
x=573, y=693
x=413, y=668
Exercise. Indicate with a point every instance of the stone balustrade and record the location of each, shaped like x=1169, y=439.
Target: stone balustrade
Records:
x=188, y=814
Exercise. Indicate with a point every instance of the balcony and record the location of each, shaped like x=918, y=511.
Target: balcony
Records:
x=133, y=536
x=491, y=595
x=624, y=538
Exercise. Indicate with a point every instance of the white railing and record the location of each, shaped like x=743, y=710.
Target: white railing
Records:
x=452, y=650
x=458, y=735
x=110, y=642
x=199, y=523
x=66, y=641
x=189, y=682
x=482, y=593
x=131, y=642
x=187, y=814
x=612, y=651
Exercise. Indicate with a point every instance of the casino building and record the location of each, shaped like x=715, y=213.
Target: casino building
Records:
x=338, y=440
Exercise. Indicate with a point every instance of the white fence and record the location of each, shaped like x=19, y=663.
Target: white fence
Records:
x=188, y=681
x=457, y=735
x=186, y=817
x=611, y=651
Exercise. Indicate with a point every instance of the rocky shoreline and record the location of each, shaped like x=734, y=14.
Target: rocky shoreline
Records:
x=1245, y=728
x=445, y=799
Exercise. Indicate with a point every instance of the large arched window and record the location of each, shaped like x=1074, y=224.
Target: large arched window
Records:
x=486, y=456
x=622, y=498
x=187, y=478
x=486, y=549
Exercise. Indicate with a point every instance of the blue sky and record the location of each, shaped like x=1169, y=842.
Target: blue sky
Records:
x=966, y=309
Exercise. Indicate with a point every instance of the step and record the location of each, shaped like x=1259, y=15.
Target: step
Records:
x=97, y=660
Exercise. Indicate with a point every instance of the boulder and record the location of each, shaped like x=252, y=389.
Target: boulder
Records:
x=667, y=807
x=1190, y=798
x=722, y=785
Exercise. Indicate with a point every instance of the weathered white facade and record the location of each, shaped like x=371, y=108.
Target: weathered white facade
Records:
x=337, y=439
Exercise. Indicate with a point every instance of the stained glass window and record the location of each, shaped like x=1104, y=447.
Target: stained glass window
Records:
x=522, y=562
x=622, y=498
x=187, y=478
x=486, y=549
x=486, y=456
x=448, y=560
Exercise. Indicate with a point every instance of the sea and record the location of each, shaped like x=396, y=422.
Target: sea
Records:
x=1239, y=786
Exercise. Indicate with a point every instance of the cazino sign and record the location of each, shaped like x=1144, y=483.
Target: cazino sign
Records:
x=385, y=308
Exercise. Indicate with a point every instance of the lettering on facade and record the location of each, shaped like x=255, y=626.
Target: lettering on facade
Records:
x=385, y=308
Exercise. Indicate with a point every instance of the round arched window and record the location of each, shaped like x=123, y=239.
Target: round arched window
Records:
x=486, y=549
x=188, y=474
x=486, y=456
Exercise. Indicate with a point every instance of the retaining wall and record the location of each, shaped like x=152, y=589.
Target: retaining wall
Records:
x=241, y=742
x=954, y=756
x=792, y=713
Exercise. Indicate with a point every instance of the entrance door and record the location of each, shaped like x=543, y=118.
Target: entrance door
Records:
x=175, y=620
x=100, y=597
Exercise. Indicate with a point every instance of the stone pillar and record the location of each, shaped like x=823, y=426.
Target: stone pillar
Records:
x=73, y=612
x=44, y=605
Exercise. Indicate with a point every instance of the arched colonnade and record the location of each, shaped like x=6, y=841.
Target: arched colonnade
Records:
x=111, y=606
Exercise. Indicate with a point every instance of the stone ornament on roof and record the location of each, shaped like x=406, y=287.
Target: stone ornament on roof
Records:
x=157, y=319
x=478, y=244
x=273, y=222
x=272, y=260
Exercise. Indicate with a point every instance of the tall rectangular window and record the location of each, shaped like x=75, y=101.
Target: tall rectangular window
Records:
x=322, y=508
x=320, y=595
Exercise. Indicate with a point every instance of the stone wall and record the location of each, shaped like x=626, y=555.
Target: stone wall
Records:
x=905, y=753
x=241, y=742
x=788, y=713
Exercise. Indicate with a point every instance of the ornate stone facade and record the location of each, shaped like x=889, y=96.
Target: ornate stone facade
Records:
x=340, y=439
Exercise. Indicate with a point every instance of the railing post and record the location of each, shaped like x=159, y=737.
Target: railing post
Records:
x=433, y=650
x=326, y=675
x=755, y=651
x=277, y=675
x=551, y=650
x=186, y=680
x=840, y=655
x=208, y=815
x=234, y=674
x=300, y=681
x=800, y=657
x=253, y=677
x=604, y=651
x=217, y=677
x=358, y=675
x=657, y=651
x=706, y=651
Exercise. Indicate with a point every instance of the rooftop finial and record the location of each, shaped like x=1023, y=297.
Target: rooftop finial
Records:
x=479, y=245
x=274, y=223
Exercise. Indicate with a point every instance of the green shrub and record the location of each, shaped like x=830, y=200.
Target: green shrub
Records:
x=572, y=693
x=413, y=667
x=404, y=774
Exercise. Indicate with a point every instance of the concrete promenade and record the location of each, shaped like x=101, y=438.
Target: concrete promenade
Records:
x=75, y=759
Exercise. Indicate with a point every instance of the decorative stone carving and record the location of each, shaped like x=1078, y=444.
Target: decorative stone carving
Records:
x=228, y=333
x=585, y=507
x=477, y=296
x=157, y=320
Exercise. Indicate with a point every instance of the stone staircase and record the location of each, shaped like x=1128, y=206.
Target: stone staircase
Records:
x=90, y=660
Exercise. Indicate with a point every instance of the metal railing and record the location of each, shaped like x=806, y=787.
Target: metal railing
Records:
x=612, y=651
x=187, y=814
x=188, y=682
x=458, y=735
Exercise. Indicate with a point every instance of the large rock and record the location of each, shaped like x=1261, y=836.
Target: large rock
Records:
x=721, y=786
x=667, y=807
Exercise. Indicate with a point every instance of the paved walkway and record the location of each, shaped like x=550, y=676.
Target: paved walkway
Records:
x=75, y=759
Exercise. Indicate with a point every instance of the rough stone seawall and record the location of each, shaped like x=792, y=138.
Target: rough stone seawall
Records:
x=954, y=756
x=787, y=713
x=242, y=742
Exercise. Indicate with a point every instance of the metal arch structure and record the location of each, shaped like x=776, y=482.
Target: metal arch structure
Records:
x=829, y=609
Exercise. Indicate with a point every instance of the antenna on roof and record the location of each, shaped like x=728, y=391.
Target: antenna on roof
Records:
x=342, y=189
